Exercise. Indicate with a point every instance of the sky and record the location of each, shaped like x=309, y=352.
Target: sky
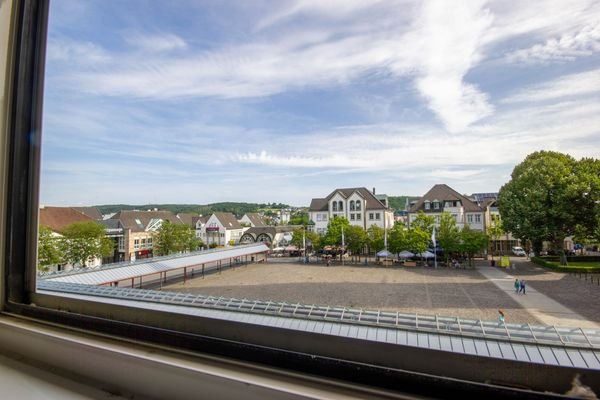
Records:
x=285, y=101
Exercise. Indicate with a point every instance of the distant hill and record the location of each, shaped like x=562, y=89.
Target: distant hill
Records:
x=398, y=203
x=239, y=209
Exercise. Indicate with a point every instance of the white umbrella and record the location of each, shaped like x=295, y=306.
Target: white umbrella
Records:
x=278, y=249
x=426, y=254
x=384, y=253
x=406, y=254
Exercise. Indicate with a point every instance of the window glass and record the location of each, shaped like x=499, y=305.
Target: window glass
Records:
x=162, y=116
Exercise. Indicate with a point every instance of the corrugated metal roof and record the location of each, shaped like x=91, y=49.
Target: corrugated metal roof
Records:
x=122, y=272
x=568, y=347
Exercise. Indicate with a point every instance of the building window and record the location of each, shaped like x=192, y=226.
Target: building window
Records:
x=427, y=205
x=351, y=205
x=370, y=215
x=358, y=216
x=318, y=217
x=324, y=217
x=121, y=243
x=334, y=206
x=436, y=205
x=377, y=216
x=351, y=217
x=477, y=218
x=340, y=206
x=143, y=242
x=136, y=243
x=470, y=218
x=149, y=242
x=358, y=205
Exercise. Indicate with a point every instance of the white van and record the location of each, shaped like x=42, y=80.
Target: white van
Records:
x=518, y=251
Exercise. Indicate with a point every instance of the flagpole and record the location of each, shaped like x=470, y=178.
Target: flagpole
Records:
x=342, y=255
x=434, y=248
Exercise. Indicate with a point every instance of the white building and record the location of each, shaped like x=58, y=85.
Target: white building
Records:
x=252, y=220
x=358, y=205
x=220, y=228
x=442, y=198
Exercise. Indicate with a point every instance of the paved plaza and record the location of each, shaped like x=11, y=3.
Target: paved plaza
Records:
x=552, y=298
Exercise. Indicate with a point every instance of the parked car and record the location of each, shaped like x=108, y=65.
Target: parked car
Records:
x=518, y=251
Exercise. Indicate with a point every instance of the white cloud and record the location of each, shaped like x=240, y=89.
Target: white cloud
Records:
x=156, y=42
x=579, y=84
x=566, y=48
x=79, y=52
x=449, y=41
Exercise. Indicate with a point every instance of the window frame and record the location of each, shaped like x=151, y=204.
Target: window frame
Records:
x=324, y=356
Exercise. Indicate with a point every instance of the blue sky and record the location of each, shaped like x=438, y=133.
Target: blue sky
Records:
x=262, y=101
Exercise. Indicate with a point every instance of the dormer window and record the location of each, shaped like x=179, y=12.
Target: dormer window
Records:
x=357, y=205
x=427, y=204
x=436, y=205
x=351, y=205
x=334, y=206
x=341, y=206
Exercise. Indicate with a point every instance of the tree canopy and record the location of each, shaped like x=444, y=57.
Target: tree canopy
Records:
x=50, y=251
x=83, y=241
x=174, y=238
x=551, y=196
x=333, y=237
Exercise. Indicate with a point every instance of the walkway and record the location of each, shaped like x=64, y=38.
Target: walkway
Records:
x=547, y=310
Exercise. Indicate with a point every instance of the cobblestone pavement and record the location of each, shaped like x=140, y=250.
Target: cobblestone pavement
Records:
x=422, y=290
x=568, y=289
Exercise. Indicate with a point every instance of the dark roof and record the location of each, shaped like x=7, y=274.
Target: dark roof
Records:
x=129, y=219
x=203, y=219
x=57, y=218
x=111, y=223
x=442, y=192
x=228, y=220
x=318, y=205
x=256, y=219
x=91, y=212
x=189, y=219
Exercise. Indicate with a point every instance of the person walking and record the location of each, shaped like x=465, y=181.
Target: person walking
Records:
x=522, y=286
x=500, y=317
x=517, y=285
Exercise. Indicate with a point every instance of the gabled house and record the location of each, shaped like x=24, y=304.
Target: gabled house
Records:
x=359, y=205
x=57, y=219
x=189, y=219
x=442, y=198
x=139, y=228
x=252, y=220
x=222, y=229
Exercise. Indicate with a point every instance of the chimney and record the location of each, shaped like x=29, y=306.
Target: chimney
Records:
x=373, y=190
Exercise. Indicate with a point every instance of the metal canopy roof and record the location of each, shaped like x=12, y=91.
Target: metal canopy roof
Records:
x=124, y=271
x=559, y=346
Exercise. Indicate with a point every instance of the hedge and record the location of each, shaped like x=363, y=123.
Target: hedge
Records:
x=549, y=262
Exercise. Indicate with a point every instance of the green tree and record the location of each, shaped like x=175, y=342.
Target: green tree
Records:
x=472, y=242
x=448, y=234
x=356, y=239
x=85, y=240
x=423, y=222
x=375, y=238
x=312, y=239
x=494, y=232
x=174, y=238
x=49, y=249
x=299, y=218
x=398, y=238
x=548, y=196
x=333, y=237
x=418, y=240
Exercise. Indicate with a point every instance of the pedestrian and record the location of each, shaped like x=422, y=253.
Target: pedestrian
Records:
x=517, y=285
x=500, y=316
x=522, y=286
